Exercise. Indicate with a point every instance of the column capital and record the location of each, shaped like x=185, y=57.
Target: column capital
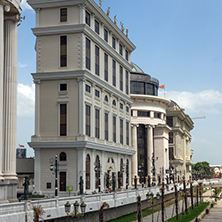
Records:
x=14, y=18
x=81, y=79
x=37, y=81
x=82, y=6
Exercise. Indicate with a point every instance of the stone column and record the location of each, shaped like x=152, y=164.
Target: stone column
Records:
x=149, y=149
x=10, y=97
x=37, y=178
x=135, y=156
x=1, y=82
x=81, y=171
x=93, y=187
x=37, y=107
x=81, y=106
x=82, y=13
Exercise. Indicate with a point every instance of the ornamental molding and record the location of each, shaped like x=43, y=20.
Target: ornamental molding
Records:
x=85, y=29
x=81, y=145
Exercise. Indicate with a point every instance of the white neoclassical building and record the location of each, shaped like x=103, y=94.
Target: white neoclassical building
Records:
x=82, y=98
x=180, y=154
x=9, y=17
x=150, y=131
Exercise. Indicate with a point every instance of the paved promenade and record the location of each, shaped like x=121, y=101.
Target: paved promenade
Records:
x=215, y=213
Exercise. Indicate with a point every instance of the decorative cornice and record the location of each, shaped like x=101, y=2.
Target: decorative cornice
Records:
x=81, y=145
x=82, y=74
x=82, y=28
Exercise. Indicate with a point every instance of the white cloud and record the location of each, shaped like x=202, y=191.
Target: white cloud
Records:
x=25, y=100
x=204, y=101
x=20, y=65
x=25, y=5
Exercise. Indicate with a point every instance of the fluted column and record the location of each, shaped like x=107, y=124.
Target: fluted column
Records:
x=135, y=156
x=37, y=107
x=149, y=149
x=1, y=82
x=10, y=97
x=81, y=106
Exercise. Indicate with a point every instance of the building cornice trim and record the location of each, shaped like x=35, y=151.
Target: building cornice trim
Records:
x=89, y=145
x=82, y=74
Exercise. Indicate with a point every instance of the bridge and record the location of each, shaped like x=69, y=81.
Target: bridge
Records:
x=54, y=208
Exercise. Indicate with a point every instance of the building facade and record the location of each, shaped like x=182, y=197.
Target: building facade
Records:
x=9, y=17
x=150, y=131
x=180, y=154
x=82, y=98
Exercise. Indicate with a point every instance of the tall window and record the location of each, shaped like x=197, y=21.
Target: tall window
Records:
x=114, y=129
x=121, y=131
x=106, y=67
x=87, y=53
x=87, y=120
x=114, y=43
x=171, y=153
x=114, y=73
x=87, y=88
x=127, y=55
x=106, y=126
x=63, y=51
x=97, y=172
x=127, y=82
x=97, y=27
x=63, y=14
x=87, y=172
x=170, y=137
x=62, y=181
x=121, y=78
x=97, y=123
x=105, y=35
x=120, y=49
x=63, y=119
x=87, y=18
x=170, y=121
x=127, y=133
x=97, y=60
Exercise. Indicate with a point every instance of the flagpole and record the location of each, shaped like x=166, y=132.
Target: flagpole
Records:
x=164, y=92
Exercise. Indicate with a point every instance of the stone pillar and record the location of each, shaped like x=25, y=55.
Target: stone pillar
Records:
x=37, y=107
x=82, y=13
x=37, y=178
x=81, y=171
x=81, y=106
x=1, y=82
x=149, y=149
x=135, y=156
x=10, y=97
x=93, y=186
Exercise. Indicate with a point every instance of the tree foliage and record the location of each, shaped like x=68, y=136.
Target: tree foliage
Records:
x=202, y=167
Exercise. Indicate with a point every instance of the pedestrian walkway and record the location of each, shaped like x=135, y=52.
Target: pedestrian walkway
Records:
x=215, y=213
x=169, y=212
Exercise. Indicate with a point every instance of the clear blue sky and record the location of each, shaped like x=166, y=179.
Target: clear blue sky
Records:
x=178, y=42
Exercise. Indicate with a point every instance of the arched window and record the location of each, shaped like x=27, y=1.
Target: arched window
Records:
x=87, y=172
x=97, y=171
x=62, y=156
x=114, y=102
x=106, y=98
x=127, y=173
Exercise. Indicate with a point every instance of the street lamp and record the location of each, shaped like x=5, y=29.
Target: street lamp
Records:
x=54, y=169
x=150, y=198
x=75, y=213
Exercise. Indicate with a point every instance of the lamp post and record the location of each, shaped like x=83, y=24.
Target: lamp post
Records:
x=75, y=213
x=54, y=169
x=150, y=198
x=153, y=167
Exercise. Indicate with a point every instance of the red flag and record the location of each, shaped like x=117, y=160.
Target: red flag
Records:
x=21, y=145
x=162, y=86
